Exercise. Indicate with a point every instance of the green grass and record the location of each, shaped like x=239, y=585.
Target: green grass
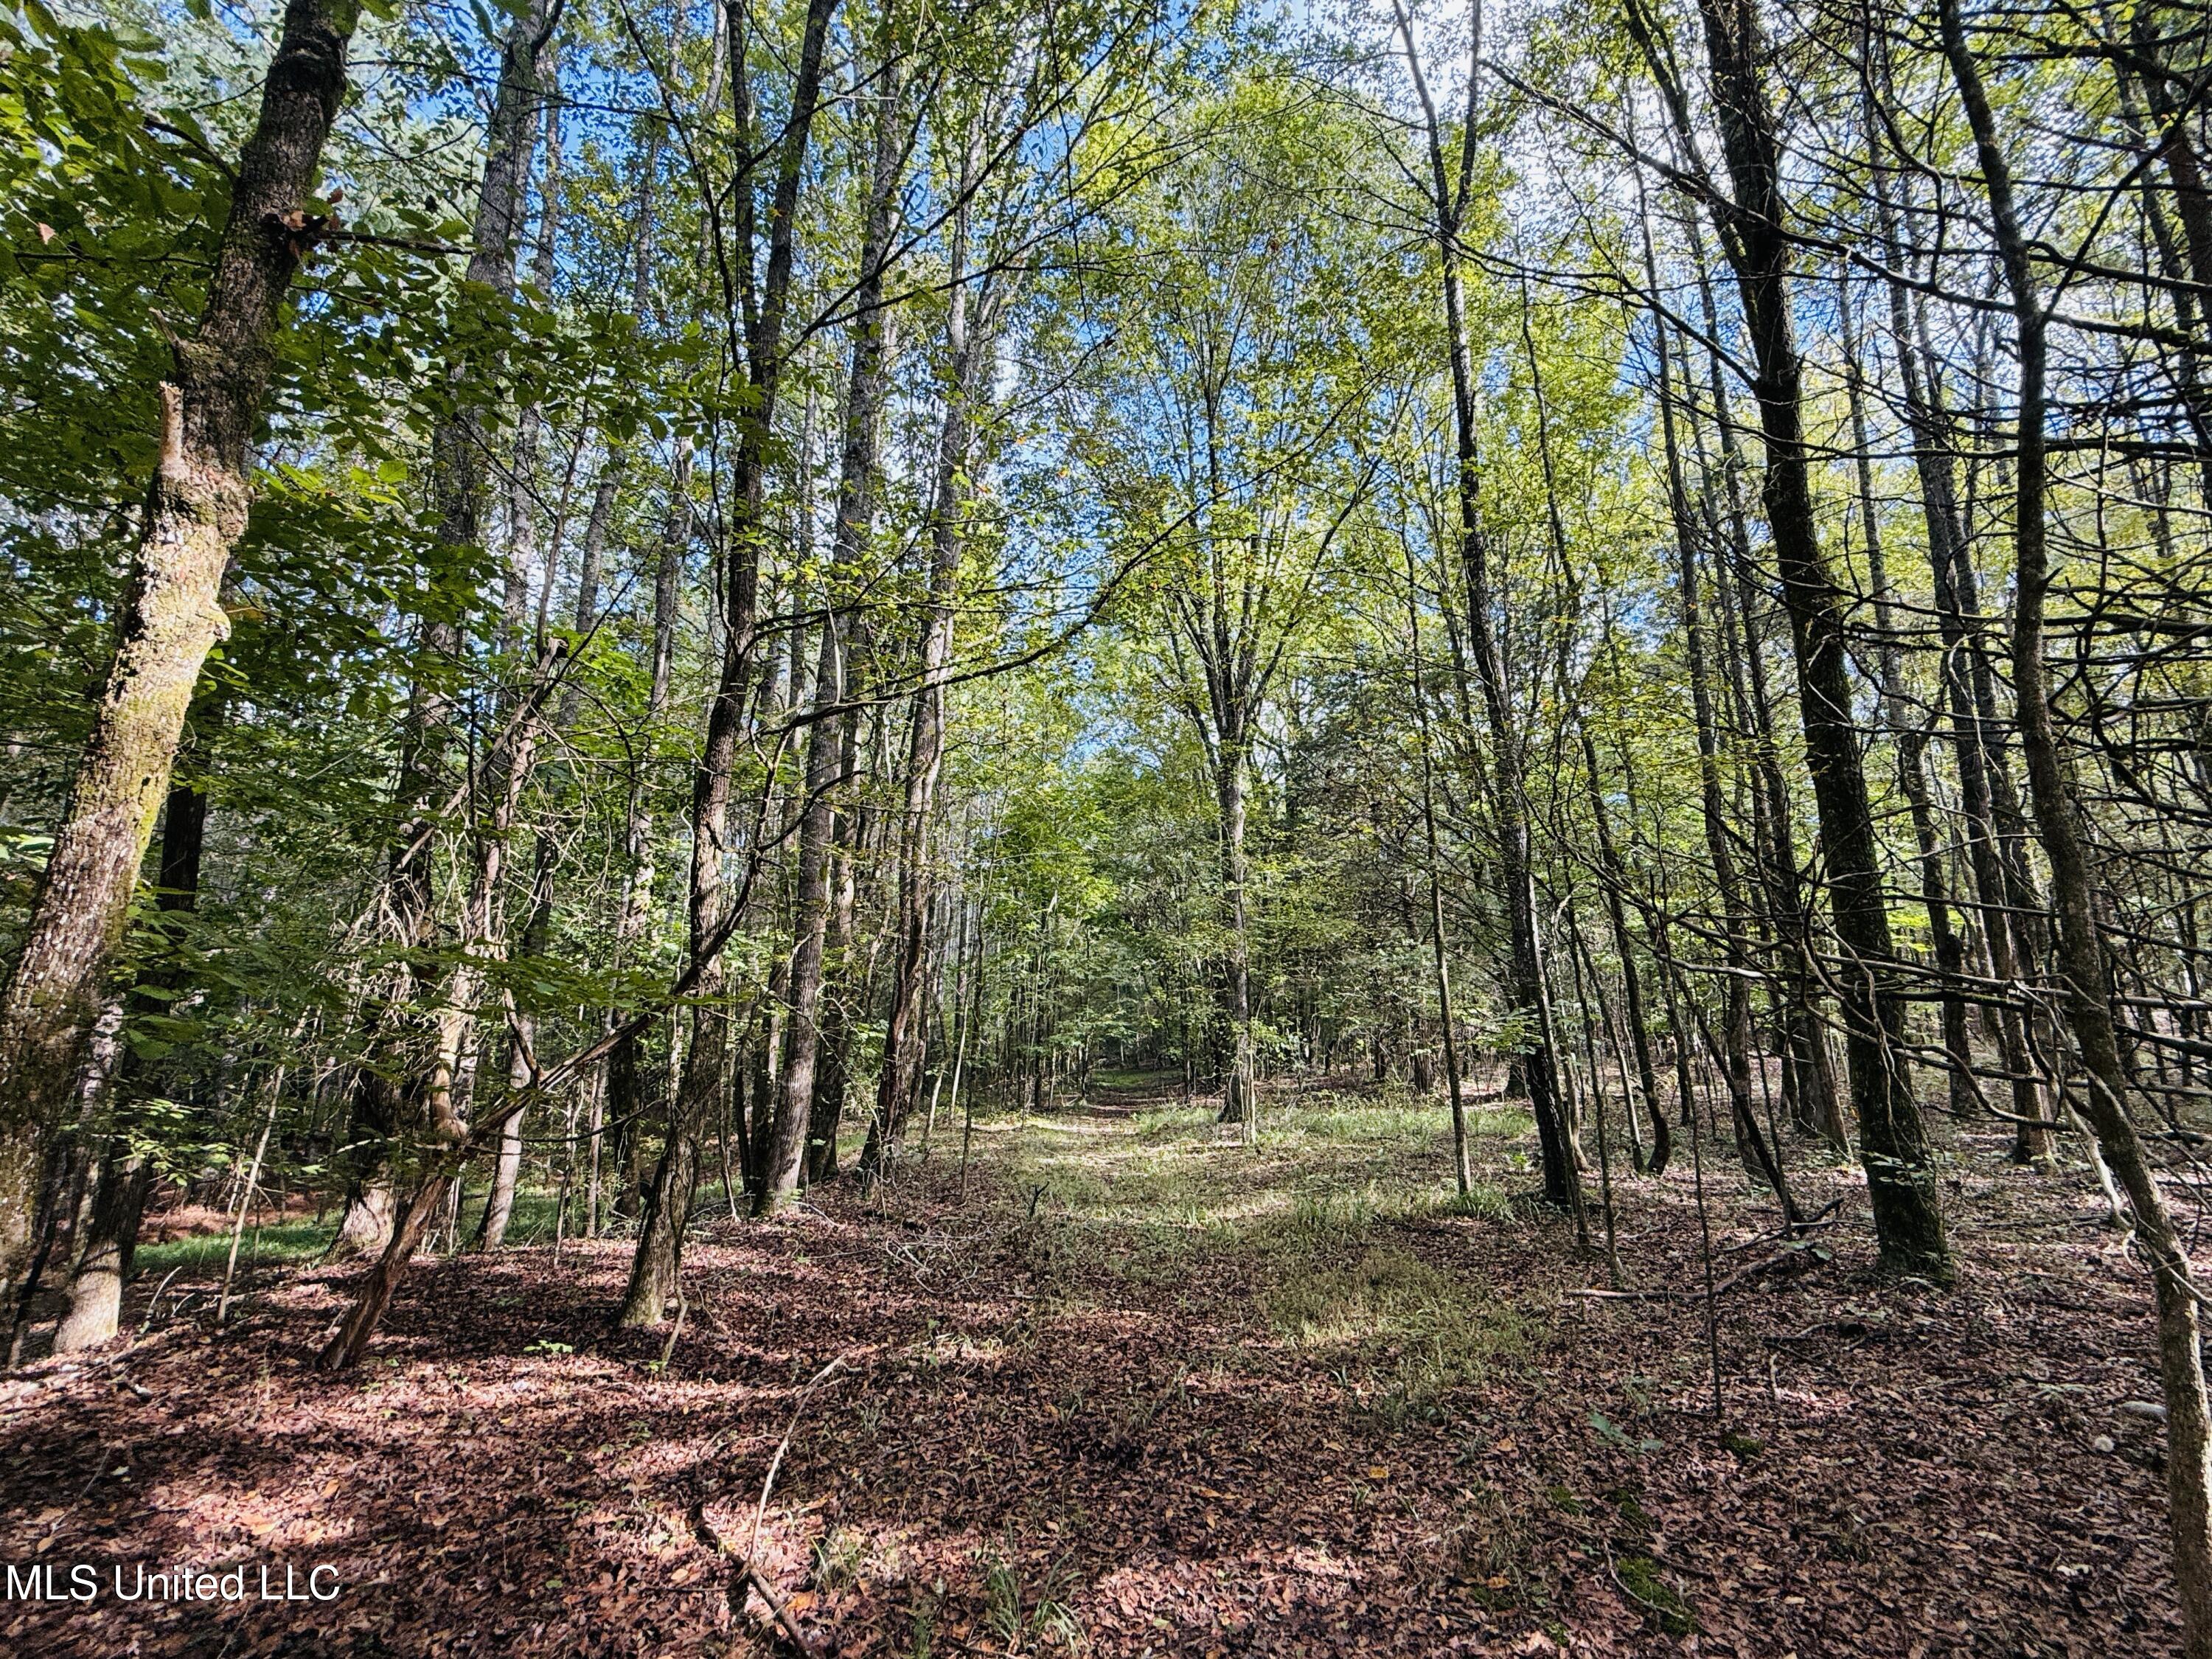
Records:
x=1386, y=1157
x=1106, y=1077
x=1658, y=1600
x=1398, y=1333
x=1310, y=1212
x=301, y=1239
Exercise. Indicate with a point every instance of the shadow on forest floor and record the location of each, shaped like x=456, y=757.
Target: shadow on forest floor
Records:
x=1143, y=1390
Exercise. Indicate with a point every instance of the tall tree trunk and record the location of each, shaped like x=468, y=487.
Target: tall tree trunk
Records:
x=458, y=448
x=507, y=1163
x=658, y=1259
x=1524, y=990
x=1232, y=768
x=103, y=1255
x=1440, y=958
x=1808, y=1074
x=1900, y=1176
x=1735, y=912
x=624, y=1098
x=905, y=1034
x=2006, y=897
x=523, y=552
x=614, y=471
x=396, y=1087
x=787, y=1153
x=451, y=1083
x=537, y=928
x=1911, y=742
x=849, y=972
x=171, y=615
x=2084, y=973
x=1632, y=984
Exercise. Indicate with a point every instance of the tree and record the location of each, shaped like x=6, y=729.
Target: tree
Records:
x=1448, y=185
x=1751, y=222
x=195, y=511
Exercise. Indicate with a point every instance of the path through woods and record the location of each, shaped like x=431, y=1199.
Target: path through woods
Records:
x=1148, y=1390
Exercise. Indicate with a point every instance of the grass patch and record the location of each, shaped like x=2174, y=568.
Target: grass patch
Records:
x=1399, y=1333
x=1041, y=1614
x=301, y=1239
x=1145, y=1197
x=1382, y=1156
x=1480, y=1202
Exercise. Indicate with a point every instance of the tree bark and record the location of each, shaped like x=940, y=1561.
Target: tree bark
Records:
x=103, y=1255
x=1523, y=985
x=1632, y=986
x=400, y=1085
x=849, y=972
x=1808, y=1074
x=1239, y=1103
x=507, y=1163
x=1893, y=1142
x=905, y=1038
x=458, y=447
x=624, y=1101
x=1911, y=742
x=1735, y=912
x=788, y=1154
x=1463, y=1168
x=172, y=616
x=2004, y=888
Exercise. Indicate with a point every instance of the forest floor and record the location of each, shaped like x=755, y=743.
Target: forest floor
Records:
x=1138, y=1391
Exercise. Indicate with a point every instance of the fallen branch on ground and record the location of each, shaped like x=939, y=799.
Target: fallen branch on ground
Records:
x=746, y=1574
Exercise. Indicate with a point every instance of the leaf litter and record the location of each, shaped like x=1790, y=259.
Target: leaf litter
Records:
x=1074, y=1413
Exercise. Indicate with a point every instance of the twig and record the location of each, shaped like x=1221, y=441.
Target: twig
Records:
x=1629, y=1296
x=748, y=1576
x=677, y=1332
x=759, y=1582
x=760, y=1510
x=156, y=1302
x=245, y=1201
x=747, y=1572
x=1714, y=1290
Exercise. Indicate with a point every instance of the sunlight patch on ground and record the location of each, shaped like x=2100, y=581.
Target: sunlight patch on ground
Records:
x=1152, y=1195
x=1395, y=1331
x=1174, y=1167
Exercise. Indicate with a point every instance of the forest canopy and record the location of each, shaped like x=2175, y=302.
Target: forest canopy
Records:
x=621, y=620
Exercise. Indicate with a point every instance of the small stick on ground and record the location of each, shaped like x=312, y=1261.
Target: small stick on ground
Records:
x=747, y=1576
x=760, y=1510
x=245, y=1201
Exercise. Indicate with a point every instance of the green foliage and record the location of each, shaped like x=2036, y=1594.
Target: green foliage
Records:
x=1024, y=1616
x=1614, y=1436
x=197, y=1254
